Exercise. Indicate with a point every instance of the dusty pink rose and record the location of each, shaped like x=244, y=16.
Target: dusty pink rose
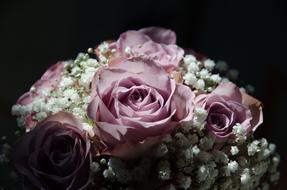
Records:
x=50, y=79
x=134, y=104
x=226, y=106
x=54, y=155
x=153, y=43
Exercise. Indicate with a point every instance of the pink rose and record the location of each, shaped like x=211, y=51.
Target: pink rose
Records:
x=134, y=104
x=50, y=79
x=153, y=43
x=54, y=155
x=226, y=106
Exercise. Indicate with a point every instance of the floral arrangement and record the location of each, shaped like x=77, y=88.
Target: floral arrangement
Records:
x=142, y=113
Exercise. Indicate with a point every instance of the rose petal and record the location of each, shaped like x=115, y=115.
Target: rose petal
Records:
x=183, y=99
x=168, y=56
x=131, y=38
x=255, y=107
x=50, y=79
x=160, y=35
x=229, y=91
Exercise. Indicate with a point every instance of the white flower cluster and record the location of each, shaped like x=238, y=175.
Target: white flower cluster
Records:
x=5, y=149
x=188, y=159
x=71, y=95
x=198, y=74
x=195, y=158
x=105, y=52
x=204, y=75
x=107, y=172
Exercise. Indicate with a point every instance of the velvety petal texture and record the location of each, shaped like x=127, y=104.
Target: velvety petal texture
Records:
x=152, y=43
x=226, y=106
x=135, y=100
x=54, y=155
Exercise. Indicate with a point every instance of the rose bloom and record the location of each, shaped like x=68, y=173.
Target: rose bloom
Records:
x=49, y=80
x=227, y=106
x=54, y=155
x=152, y=43
x=134, y=104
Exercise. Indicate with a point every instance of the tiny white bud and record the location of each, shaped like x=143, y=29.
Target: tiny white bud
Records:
x=189, y=79
x=209, y=64
x=128, y=50
x=200, y=84
x=234, y=150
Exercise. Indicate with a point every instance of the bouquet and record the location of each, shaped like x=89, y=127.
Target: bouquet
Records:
x=140, y=112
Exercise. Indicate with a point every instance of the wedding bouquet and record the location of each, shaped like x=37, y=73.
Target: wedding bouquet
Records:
x=142, y=113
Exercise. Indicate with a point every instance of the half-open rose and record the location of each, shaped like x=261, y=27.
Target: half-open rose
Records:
x=227, y=106
x=134, y=103
x=54, y=155
x=152, y=43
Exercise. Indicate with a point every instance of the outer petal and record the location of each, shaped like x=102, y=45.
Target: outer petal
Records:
x=149, y=73
x=27, y=98
x=183, y=100
x=63, y=117
x=131, y=38
x=160, y=35
x=255, y=107
x=50, y=79
x=229, y=91
x=168, y=56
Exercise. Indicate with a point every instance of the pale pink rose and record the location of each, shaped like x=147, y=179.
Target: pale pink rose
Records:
x=134, y=104
x=226, y=106
x=153, y=43
x=50, y=79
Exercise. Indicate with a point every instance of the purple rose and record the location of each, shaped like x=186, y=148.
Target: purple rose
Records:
x=54, y=155
x=153, y=43
x=227, y=106
x=134, y=103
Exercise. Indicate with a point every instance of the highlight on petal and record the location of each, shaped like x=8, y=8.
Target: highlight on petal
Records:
x=229, y=90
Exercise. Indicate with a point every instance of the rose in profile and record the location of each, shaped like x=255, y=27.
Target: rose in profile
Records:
x=49, y=81
x=134, y=103
x=227, y=106
x=152, y=43
x=54, y=155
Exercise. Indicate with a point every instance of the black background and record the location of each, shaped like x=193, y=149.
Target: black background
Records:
x=249, y=35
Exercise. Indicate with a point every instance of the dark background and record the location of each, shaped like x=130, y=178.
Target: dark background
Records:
x=249, y=35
